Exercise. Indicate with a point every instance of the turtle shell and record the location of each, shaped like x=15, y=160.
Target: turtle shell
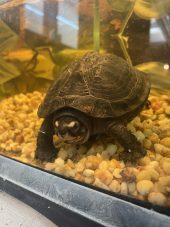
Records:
x=99, y=85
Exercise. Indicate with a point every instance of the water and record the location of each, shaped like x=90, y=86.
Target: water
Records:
x=39, y=38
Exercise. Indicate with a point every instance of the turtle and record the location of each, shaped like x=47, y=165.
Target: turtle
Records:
x=97, y=94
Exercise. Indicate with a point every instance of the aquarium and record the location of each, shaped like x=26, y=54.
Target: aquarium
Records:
x=39, y=39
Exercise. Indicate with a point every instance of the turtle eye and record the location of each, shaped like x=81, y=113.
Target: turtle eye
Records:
x=74, y=126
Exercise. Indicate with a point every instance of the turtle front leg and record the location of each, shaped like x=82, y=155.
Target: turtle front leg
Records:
x=133, y=148
x=45, y=150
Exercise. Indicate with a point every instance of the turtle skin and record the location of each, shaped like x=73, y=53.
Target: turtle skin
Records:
x=103, y=87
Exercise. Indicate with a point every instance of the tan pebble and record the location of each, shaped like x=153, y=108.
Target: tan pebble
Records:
x=160, y=111
x=115, y=186
x=137, y=122
x=104, y=176
x=19, y=139
x=111, y=166
x=68, y=171
x=116, y=164
x=89, y=180
x=80, y=167
x=4, y=136
x=159, y=148
x=70, y=163
x=79, y=177
x=144, y=161
x=147, y=124
x=156, y=187
x=153, y=165
x=111, y=149
x=149, y=174
x=166, y=167
x=71, y=173
x=146, y=113
x=147, y=132
x=151, y=155
x=165, y=97
x=158, y=157
x=100, y=184
x=161, y=116
x=147, y=143
x=154, y=138
x=131, y=128
x=144, y=187
x=92, y=162
x=135, y=193
x=163, y=183
x=157, y=198
x=122, y=164
x=59, y=162
x=140, y=136
x=117, y=173
x=131, y=187
x=124, y=188
x=88, y=173
x=165, y=141
x=28, y=148
x=103, y=165
x=167, y=110
x=164, y=122
x=50, y=166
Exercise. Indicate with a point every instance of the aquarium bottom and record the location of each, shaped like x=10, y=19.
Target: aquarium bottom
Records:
x=67, y=203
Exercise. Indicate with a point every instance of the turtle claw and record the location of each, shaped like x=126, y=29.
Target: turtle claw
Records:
x=45, y=155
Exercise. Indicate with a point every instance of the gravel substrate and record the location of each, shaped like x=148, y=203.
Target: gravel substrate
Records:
x=148, y=179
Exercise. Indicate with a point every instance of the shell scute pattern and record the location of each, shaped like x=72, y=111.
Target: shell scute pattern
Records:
x=99, y=85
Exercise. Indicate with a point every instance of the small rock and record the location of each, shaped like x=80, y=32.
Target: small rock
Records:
x=167, y=110
x=166, y=167
x=157, y=198
x=100, y=184
x=165, y=141
x=115, y=186
x=124, y=188
x=104, y=176
x=144, y=187
x=88, y=173
x=117, y=173
x=50, y=166
x=149, y=174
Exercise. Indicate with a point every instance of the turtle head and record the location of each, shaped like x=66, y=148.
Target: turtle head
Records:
x=71, y=130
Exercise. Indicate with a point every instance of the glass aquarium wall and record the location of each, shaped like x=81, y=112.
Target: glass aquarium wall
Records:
x=38, y=38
